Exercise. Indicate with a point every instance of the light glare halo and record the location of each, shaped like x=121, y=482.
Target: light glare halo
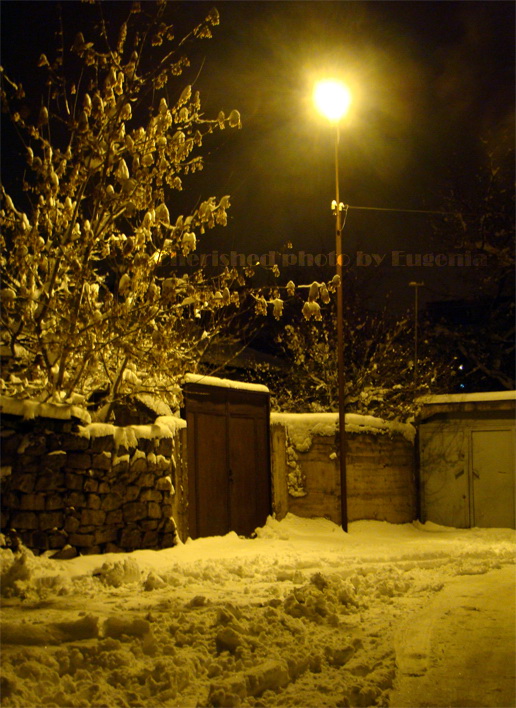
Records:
x=332, y=99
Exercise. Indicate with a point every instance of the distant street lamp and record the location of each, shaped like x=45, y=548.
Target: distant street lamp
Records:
x=332, y=100
x=416, y=287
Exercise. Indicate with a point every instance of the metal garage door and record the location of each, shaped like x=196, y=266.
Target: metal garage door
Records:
x=444, y=462
x=467, y=475
x=492, y=457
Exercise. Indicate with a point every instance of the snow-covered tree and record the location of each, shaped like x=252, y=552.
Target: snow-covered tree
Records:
x=378, y=363
x=90, y=294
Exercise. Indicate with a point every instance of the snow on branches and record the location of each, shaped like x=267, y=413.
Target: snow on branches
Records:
x=94, y=306
x=89, y=292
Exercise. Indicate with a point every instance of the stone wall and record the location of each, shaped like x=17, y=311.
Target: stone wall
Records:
x=380, y=477
x=91, y=488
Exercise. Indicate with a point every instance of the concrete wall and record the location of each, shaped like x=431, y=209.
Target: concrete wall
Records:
x=380, y=477
x=92, y=489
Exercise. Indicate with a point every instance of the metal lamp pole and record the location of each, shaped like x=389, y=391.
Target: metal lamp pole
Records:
x=340, y=342
x=333, y=99
x=416, y=287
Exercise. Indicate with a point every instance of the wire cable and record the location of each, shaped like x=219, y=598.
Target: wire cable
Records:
x=406, y=211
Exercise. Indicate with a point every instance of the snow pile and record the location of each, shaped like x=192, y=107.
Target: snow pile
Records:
x=302, y=615
x=301, y=427
x=118, y=573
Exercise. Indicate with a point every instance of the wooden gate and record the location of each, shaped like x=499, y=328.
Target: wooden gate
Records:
x=229, y=486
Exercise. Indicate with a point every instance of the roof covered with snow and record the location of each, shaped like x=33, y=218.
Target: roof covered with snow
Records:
x=469, y=397
x=457, y=403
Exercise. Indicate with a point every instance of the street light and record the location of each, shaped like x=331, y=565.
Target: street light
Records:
x=333, y=100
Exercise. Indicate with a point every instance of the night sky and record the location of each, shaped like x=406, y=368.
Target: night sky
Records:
x=429, y=79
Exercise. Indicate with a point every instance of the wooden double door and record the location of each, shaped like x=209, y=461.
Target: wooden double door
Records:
x=229, y=487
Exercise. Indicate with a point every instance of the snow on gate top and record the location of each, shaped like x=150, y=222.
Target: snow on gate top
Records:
x=223, y=383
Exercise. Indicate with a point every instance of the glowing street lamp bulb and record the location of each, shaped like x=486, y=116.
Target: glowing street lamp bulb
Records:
x=332, y=99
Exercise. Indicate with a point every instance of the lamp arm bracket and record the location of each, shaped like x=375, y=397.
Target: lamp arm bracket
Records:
x=342, y=207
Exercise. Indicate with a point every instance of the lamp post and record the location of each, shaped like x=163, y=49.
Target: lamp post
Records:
x=416, y=286
x=333, y=99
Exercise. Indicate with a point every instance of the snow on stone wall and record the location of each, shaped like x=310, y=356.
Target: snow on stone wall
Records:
x=380, y=467
x=303, y=426
x=92, y=488
x=29, y=409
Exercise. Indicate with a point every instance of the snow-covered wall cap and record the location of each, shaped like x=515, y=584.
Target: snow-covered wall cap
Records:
x=165, y=426
x=369, y=424
x=469, y=397
x=155, y=404
x=302, y=427
x=29, y=409
x=223, y=383
x=172, y=422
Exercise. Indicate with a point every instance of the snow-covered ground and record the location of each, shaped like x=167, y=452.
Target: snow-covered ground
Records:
x=302, y=615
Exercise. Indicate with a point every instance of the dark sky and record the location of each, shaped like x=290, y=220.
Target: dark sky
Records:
x=429, y=80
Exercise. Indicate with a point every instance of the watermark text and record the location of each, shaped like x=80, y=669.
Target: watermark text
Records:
x=359, y=259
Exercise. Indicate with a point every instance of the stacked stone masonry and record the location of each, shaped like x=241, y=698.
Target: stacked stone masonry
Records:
x=93, y=488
